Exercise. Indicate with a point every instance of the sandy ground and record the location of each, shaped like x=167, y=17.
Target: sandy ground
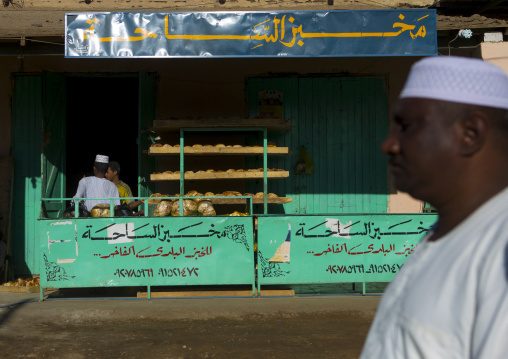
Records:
x=310, y=327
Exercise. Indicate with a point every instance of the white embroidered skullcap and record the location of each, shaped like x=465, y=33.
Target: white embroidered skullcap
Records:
x=102, y=159
x=458, y=79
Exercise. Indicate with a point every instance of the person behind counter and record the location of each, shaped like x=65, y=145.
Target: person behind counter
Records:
x=113, y=175
x=97, y=186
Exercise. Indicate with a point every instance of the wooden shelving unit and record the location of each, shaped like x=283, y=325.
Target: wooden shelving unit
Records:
x=235, y=200
x=222, y=125
x=255, y=200
x=214, y=151
x=220, y=175
x=174, y=125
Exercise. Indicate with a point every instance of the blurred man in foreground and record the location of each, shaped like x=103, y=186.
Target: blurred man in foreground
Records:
x=449, y=146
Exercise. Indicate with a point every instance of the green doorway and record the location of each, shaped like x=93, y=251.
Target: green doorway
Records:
x=340, y=122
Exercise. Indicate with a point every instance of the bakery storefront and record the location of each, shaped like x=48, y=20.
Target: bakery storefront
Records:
x=253, y=139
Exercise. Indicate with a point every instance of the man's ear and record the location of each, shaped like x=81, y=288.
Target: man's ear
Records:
x=473, y=133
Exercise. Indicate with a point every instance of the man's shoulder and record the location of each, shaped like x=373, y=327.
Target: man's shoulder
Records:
x=121, y=189
x=492, y=214
x=109, y=183
x=88, y=179
x=123, y=185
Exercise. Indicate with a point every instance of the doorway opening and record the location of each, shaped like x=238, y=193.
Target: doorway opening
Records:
x=102, y=118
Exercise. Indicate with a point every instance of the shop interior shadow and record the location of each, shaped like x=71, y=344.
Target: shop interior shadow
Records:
x=102, y=118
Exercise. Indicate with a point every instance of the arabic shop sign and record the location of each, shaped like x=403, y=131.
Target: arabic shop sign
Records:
x=254, y=34
x=334, y=249
x=147, y=251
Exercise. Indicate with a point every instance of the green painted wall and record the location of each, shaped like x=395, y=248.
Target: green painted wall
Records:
x=26, y=150
x=54, y=96
x=39, y=142
x=341, y=122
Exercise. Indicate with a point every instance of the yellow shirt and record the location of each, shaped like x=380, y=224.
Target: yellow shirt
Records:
x=125, y=191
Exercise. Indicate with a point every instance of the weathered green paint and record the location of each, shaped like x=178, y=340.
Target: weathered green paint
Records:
x=142, y=251
x=38, y=146
x=339, y=248
x=54, y=135
x=26, y=150
x=147, y=107
x=341, y=122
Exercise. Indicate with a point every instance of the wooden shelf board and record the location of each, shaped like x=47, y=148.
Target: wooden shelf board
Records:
x=255, y=200
x=213, y=151
x=272, y=124
x=215, y=175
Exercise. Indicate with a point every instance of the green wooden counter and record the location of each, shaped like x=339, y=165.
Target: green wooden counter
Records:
x=336, y=248
x=146, y=251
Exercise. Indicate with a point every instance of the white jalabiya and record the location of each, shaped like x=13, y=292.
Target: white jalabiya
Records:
x=450, y=299
x=94, y=187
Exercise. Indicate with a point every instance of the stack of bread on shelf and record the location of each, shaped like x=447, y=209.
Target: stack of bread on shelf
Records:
x=20, y=282
x=211, y=194
x=231, y=170
x=197, y=145
x=191, y=207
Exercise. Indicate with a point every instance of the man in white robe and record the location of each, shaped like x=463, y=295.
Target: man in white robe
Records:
x=97, y=186
x=449, y=146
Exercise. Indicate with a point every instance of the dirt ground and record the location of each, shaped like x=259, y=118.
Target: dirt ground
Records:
x=278, y=334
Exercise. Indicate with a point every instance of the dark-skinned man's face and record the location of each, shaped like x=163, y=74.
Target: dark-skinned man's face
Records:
x=110, y=175
x=422, y=148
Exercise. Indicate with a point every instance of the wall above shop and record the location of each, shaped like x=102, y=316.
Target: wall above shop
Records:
x=46, y=18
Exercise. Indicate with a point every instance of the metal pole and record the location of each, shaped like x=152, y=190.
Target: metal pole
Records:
x=181, y=164
x=265, y=171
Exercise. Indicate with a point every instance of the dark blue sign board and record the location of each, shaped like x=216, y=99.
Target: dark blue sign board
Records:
x=252, y=34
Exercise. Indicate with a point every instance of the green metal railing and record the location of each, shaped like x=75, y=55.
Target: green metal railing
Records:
x=248, y=206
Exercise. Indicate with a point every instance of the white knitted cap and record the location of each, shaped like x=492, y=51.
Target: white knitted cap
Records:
x=458, y=79
x=102, y=159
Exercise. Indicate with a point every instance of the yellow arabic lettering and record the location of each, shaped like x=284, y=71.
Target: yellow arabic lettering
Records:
x=89, y=33
x=283, y=27
x=271, y=37
x=201, y=37
x=403, y=27
x=261, y=23
x=144, y=34
x=421, y=32
x=274, y=37
x=295, y=30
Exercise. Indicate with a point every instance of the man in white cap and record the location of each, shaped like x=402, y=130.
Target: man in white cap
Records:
x=97, y=186
x=449, y=146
